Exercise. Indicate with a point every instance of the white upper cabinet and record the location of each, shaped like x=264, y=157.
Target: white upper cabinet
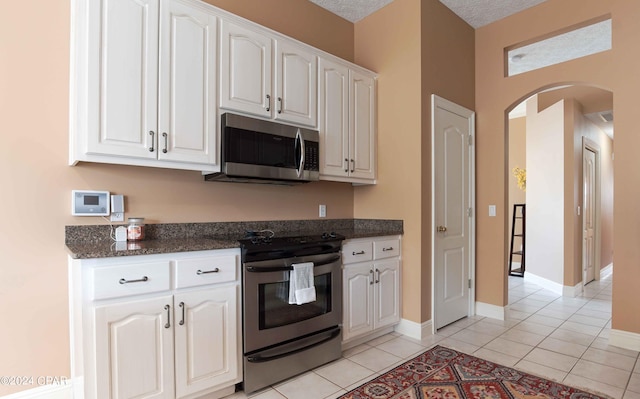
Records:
x=362, y=120
x=347, y=120
x=122, y=77
x=257, y=80
x=296, y=84
x=145, y=83
x=187, y=120
x=333, y=123
x=245, y=70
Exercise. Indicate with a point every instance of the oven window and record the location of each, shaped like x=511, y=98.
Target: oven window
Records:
x=275, y=311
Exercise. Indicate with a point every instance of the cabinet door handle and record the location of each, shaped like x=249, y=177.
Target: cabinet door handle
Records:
x=353, y=166
x=166, y=143
x=140, y=280
x=152, y=134
x=182, y=307
x=346, y=165
x=216, y=270
x=354, y=253
x=168, y=309
x=279, y=105
x=377, y=275
x=387, y=249
x=268, y=103
x=370, y=276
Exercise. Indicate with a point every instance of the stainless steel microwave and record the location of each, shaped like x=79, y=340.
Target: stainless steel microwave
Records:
x=258, y=151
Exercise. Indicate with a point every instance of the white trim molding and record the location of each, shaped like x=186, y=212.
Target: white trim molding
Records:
x=625, y=339
x=547, y=284
x=491, y=311
x=572, y=292
x=414, y=330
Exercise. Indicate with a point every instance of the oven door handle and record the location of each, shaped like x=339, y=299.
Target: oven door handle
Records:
x=262, y=359
x=255, y=269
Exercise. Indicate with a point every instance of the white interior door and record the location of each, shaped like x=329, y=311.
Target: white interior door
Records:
x=588, y=215
x=453, y=197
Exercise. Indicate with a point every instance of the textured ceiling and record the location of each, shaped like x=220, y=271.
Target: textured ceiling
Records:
x=352, y=10
x=476, y=12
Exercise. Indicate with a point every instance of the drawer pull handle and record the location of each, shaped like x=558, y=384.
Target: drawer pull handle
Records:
x=168, y=309
x=216, y=270
x=371, y=275
x=358, y=253
x=182, y=307
x=387, y=249
x=377, y=275
x=140, y=280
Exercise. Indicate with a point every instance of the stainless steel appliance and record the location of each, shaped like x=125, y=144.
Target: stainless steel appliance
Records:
x=257, y=151
x=280, y=339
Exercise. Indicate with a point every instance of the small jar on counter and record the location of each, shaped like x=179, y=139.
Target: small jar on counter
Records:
x=135, y=229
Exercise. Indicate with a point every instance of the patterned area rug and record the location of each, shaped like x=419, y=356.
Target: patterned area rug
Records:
x=443, y=373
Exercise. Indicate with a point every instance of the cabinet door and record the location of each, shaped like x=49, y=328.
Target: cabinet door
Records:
x=187, y=124
x=387, y=283
x=134, y=349
x=333, y=118
x=358, y=300
x=245, y=70
x=122, y=77
x=296, y=84
x=207, y=342
x=362, y=126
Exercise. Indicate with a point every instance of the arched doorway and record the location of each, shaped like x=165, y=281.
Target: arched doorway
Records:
x=546, y=136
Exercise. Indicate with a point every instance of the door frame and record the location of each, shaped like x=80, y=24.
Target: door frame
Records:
x=439, y=102
x=592, y=146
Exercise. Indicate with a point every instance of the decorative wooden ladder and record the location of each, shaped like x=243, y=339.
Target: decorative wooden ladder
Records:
x=519, y=214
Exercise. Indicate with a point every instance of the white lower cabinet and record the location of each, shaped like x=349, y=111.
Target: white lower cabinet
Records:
x=134, y=349
x=157, y=326
x=371, y=285
x=205, y=339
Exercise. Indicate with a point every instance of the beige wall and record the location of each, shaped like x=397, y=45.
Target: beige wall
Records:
x=615, y=70
x=37, y=183
x=398, y=192
x=431, y=51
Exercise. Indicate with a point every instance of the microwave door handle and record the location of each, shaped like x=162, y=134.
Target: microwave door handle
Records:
x=300, y=140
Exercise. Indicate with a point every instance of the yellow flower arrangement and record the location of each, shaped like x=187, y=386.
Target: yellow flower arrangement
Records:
x=521, y=175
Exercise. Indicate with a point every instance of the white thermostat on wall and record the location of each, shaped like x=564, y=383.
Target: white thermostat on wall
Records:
x=89, y=203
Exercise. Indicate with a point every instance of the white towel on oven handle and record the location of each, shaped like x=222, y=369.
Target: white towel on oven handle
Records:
x=301, y=288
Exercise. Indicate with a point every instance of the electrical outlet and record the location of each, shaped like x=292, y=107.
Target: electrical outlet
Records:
x=117, y=217
x=322, y=211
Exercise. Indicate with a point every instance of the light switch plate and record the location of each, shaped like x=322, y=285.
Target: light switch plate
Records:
x=322, y=211
x=492, y=210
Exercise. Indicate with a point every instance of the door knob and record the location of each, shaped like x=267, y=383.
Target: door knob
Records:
x=442, y=229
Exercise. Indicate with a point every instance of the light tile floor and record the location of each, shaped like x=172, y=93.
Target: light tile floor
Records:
x=562, y=339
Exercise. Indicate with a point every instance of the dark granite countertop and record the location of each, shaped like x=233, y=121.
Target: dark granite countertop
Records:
x=87, y=242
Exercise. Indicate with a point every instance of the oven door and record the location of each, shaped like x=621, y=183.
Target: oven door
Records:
x=268, y=317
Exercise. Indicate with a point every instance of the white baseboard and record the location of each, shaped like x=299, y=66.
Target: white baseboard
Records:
x=414, y=330
x=44, y=392
x=547, y=284
x=606, y=271
x=572, y=292
x=491, y=311
x=625, y=339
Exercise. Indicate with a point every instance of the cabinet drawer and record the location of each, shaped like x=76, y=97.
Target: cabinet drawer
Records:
x=386, y=249
x=357, y=252
x=205, y=270
x=131, y=279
